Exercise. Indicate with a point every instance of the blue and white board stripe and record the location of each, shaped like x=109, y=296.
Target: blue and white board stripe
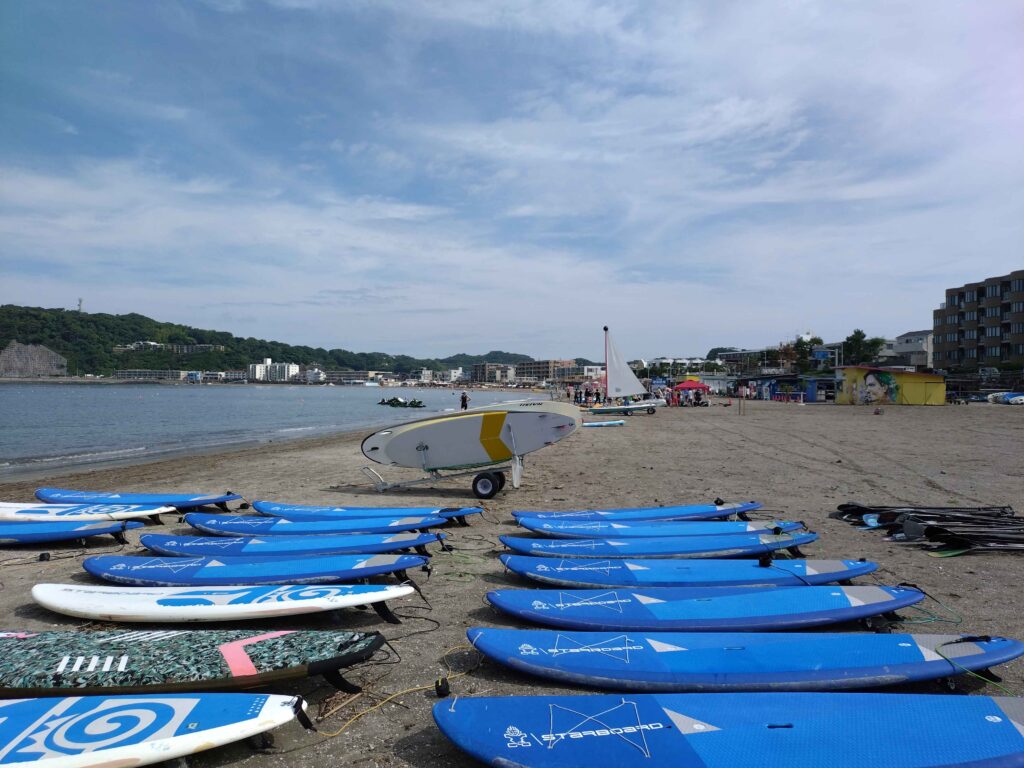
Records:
x=701, y=609
x=311, y=512
x=599, y=529
x=285, y=546
x=749, y=661
x=36, y=533
x=614, y=572
x=227, y=571
x=180, y=501
x=623, y=514
x=659, y=547
x=253, y=525
x=738, y=730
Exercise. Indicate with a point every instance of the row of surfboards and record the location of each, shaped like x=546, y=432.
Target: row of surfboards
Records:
x=157, y=722
x=667, y=630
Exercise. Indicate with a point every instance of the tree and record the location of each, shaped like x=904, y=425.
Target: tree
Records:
x=803, y=350
x=859, y=349
x=714, y=352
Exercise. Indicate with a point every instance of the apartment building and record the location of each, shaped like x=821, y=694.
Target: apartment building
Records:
x=981, y=325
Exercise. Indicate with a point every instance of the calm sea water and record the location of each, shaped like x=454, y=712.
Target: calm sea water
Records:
x=50, y=427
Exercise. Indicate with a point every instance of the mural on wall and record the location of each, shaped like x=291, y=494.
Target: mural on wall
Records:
x=870, y=386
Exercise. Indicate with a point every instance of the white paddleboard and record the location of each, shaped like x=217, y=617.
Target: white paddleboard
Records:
x=122, y=731
x=477, y=438
x=174, y=604
x=34, y=512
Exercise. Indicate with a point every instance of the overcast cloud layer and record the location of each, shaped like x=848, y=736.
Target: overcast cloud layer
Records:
x=438, y=177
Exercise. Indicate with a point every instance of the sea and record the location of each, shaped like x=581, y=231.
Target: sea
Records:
x=48, y=428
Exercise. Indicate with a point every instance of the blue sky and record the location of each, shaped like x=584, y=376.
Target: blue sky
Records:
x=439, y=177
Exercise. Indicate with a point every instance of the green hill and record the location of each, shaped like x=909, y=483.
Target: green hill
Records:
x=87, y=341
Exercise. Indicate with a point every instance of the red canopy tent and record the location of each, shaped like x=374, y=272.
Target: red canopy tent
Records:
x=691, y=384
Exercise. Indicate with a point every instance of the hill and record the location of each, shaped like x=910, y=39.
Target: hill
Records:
x=87, y=340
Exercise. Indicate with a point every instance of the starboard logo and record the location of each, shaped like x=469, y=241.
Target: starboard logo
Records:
x=542, y=567
x=595, y=649
x=528, y=650
x=539, y=606
x=515, y=738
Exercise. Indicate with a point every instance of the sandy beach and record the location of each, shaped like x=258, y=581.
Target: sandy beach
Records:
x=800, y=461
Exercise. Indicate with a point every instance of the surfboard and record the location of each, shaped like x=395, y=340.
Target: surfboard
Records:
x=307, y=512
x=473, y=439
x=603, y=528
x=181, y=604
x=701, y=609
x=737, y=730
x=634, y=514
x=587, y=572
x=748, y=661
x=38, y=533
x=108, y=731
x=160, y=661
x=617, y=423
x=668, y=546
x=249, y=525
x=232, y=571
x=179, y=501
x=287, y=546
x=45, y=513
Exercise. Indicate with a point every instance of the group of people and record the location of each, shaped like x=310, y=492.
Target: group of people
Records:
x=585, y=395
x=684, y=398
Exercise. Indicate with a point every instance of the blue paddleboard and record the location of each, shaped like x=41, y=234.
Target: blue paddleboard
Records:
x=588, y=572
x=307, y=512
x=180, y=501
x=251, y=525
x=35, y=533
x=624, y=514
x=287, y=546
x=701, y=609
x=132, y=730
x=600, y=529
x=749, y=661
x=228, y=571
x=615, y=423
x=737, y=730
x=655, y=547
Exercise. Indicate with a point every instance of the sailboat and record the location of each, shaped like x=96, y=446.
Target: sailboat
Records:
x=621, y=382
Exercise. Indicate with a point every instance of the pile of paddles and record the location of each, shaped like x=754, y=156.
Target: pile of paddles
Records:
x=703, y=637
x=943, y=531
x=139, y=696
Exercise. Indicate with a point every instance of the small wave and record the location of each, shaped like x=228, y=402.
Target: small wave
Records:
x=93, y=456
x=297, y=429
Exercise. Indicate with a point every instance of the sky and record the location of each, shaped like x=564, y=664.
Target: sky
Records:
x=426, y=177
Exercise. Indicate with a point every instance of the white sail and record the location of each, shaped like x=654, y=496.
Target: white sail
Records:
x=620, y=380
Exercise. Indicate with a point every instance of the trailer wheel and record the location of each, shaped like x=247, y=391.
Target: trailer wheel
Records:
x=500, y=477
x=651, y=411
x=485, y=486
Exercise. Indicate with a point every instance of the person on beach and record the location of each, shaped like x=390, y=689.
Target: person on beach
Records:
x=464, y=400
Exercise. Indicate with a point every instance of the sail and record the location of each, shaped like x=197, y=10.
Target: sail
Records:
x=620, y=380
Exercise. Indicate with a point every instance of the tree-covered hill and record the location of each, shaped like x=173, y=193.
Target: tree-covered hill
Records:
x=87, y=341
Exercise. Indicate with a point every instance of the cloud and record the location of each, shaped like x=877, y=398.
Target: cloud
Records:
x=432, y=178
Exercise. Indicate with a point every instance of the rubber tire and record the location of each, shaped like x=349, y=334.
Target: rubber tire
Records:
x=652, y=411
x=485, y=486
x=501, y=480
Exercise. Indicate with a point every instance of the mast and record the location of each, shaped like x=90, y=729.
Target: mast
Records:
x=605, y=362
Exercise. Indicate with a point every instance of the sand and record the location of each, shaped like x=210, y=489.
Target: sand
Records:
x=799, y=460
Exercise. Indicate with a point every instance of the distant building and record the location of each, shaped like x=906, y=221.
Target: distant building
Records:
x=145, y=374
x=315, y=376
x=493, y=373
x=915, y=348
x=356, y=377
x=258, y=371
x=540, y=370
x=282, y=371
x=981, y=325
x=31, y=361
x=177, y=349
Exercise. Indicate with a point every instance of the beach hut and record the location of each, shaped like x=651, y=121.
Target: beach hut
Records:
x=866, y=385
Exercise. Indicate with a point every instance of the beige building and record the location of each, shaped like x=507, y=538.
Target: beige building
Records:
x=541, y=370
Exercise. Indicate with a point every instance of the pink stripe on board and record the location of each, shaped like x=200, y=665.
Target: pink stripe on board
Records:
x=238, y=660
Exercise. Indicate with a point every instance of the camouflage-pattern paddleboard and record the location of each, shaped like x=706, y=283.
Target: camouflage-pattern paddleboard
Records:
x=54, y=663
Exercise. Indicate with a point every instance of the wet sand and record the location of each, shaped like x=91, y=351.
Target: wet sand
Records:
x=799, y=460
